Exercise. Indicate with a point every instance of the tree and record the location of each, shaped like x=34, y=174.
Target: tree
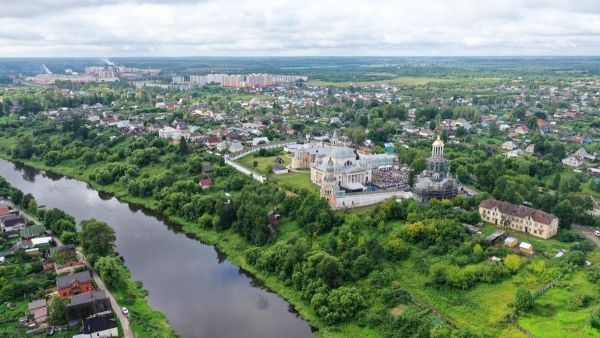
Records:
x=565, y=213
x=512, y=262
x=377, y=150
x=523, y=298
x=111, y=272
x=97, y=237
x=255, y=164
x=396, y=249
x=594, y=318
x=555, y=182
x=56, y=311
x=462, y=173
x=52, y=158
x=183, y=149
x=32, y=207
x=531, y=122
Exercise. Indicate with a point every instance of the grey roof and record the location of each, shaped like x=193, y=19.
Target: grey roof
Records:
x=63, y=249
x=340, y=152
x=65, y=281
x=88, y=297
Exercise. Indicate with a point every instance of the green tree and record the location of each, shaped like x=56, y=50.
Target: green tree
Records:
x=52, y=158
x=377, y=150
x=183, y=148
x=523, y=298
x=97, y=237
x=396, y=249
x=512, y=262
x=255, y=164
x=32, y=207
x=594, y=318
x=110, y=270
x=555, y=182
x=462, y=173
x=56, y=311
x=565, y=213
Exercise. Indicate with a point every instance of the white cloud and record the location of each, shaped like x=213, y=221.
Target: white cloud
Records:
x=309, y=27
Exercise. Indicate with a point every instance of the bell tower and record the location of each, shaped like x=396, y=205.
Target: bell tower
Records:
x=329, y=185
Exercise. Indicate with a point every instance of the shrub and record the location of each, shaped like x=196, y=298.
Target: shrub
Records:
x=594, y=318
x=523, y=298
x=396, y=249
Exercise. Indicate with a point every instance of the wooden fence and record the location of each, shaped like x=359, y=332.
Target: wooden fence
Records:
x=539, y=292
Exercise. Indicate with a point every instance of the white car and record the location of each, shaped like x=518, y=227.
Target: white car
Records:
x=597, y=233
x=125, y=311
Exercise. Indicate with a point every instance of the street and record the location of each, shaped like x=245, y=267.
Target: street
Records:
x=80, y=257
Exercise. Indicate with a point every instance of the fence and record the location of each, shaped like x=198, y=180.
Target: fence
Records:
x=258, y=147
x=539, y=292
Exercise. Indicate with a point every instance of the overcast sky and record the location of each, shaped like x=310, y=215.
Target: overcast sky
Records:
x=305, y=27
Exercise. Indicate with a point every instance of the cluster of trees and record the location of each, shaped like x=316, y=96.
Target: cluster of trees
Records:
x=112, y=172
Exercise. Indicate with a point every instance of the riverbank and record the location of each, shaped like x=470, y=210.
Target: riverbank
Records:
x=227, y=242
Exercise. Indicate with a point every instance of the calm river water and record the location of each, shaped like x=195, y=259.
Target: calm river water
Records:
x=197, y=288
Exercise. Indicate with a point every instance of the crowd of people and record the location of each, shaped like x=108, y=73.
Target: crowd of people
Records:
x=390, y=178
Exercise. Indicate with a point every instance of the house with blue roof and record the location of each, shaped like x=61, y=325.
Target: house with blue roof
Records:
x=588, y=139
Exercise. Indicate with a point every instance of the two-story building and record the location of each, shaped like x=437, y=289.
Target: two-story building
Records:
x=71, y=285
x=519, y=218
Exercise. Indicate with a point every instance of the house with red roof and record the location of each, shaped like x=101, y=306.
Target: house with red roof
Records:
x=205, y=183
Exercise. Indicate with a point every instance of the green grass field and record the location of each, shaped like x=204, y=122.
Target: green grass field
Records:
x=263, y=162
x=405, y=80
x=298, y=179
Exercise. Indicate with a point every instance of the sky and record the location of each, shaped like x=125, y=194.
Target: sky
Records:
x=299, y=28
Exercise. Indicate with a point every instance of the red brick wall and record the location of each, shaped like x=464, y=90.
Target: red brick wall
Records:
x=68, y=293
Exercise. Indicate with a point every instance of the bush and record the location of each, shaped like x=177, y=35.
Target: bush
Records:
x=396, y=249
x=594, y=318
x=523, y=298
x=566, y=236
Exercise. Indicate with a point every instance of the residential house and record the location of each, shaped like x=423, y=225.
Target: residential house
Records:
x=36, y=305
x=71, y=285
x=530, y=149
x=521, y=130
x=206, y=169
x=510, y=145
x=101, y=326
x=63, y=250
x=426, y=133
x=519, y=218
x=11, y=224
x=205, y=183
x=581, y=152
x=258, y=140
x=222, y=146
x=212, y=142
x=31, y=232
x=88, y=304
x=236, y=147
x=573, y=161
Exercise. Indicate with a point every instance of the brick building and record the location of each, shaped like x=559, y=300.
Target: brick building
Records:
x=71, y=285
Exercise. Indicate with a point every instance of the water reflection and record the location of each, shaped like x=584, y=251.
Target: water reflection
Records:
x=200, y=295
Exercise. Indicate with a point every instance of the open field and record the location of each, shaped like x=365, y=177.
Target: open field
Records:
x=298, y=179
x=408, y=81
x=263, y=162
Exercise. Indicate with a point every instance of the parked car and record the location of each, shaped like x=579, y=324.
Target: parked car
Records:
x=125, y=311
x=597, y=233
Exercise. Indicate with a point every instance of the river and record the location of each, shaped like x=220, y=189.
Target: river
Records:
x=195, y=286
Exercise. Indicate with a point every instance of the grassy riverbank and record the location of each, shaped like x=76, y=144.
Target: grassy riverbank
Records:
x=227, y=241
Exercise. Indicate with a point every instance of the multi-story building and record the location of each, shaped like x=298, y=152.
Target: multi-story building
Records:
x=520, y=218
x=378, y=160
x=178, y=79
x=435, y=181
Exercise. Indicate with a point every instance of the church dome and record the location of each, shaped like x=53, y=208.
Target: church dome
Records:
x=438, y=143
x=342, y=152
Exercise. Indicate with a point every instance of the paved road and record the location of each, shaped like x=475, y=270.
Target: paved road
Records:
x=124, y=320
x=80, y=257
x=588, y=231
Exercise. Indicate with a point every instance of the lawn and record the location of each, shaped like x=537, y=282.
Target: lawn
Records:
x=405, y=80
x=297, y=179
x=539, y=244
x=550, y=316
x=263, y=162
